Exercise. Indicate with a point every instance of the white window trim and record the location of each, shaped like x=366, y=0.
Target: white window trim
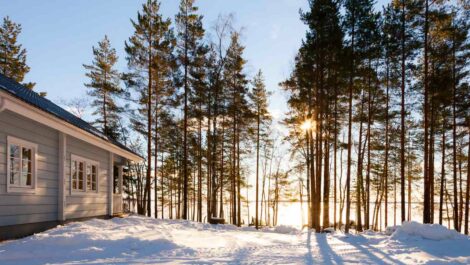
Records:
x=34, y=147
x=86, y=162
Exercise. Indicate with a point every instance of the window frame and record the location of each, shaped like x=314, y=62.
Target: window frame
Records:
x=12, y=188
x=86, y=162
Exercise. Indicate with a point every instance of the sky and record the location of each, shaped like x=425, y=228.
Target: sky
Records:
x=59, y=35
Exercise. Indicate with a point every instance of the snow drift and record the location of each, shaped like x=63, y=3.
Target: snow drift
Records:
x=426, y=231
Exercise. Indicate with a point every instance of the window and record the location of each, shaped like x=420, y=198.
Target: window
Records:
x=84, y=174
x=21, y=165
x=91, y=177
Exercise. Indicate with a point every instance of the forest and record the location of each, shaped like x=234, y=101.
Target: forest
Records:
x=377, y=130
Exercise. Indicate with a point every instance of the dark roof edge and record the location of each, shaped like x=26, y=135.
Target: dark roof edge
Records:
x=33, y=99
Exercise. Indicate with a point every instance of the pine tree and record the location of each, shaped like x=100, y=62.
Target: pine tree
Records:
x=259, y=98
x=105, y=88
x=151, y=33
x=236, y=88
x=189, y=35
x=12, y=55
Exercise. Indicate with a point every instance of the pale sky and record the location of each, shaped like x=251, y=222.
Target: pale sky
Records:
x=59, y=35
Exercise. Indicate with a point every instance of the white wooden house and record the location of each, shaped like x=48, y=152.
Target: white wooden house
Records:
x=54, y=167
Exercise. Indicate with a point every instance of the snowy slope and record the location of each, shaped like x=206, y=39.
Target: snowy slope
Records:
x=141, y=240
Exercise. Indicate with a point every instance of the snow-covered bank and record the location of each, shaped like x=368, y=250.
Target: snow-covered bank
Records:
x=141, y=240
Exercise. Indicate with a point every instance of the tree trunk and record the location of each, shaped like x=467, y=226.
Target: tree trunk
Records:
x=431, y=162
x=257, y=166
x=335, y=147
x=402, y=133
x=348, y=173
x=326, y=183
x=443, y=173
x=199, y=166
x=426, y=209
x=467, y=196
x=454, y=142
x=359, y=169
x=387, y=118
x=156, y=158
x=149, y=134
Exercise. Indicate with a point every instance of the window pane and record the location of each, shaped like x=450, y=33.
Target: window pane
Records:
x=88, y=177
x=14, y=178
x=93, y=177
x=25, y=179
x=80, y=176
x=27, y=166
x=74, y=174
x=27, y=153
x=29, y=179
x=14, y=151
x=14, y=165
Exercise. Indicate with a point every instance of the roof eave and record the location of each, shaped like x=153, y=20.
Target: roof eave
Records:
x=16, y=105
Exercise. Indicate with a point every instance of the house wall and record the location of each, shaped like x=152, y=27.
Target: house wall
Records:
x=20, y=208
x=86, y=204
x=22, y=213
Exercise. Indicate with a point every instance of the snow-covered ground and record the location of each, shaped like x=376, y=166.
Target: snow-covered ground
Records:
x=141, y=240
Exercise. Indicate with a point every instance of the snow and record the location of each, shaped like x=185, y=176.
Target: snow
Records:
x=426, y=231
x=142, y=240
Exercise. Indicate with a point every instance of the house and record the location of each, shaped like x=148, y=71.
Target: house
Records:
x=54, y=167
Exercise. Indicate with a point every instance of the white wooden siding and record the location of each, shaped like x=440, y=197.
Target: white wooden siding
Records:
x=87, y=204
x=41, y=206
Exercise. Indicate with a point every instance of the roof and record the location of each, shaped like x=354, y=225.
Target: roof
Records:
x=32, y=98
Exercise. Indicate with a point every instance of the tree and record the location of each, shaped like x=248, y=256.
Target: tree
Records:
x=12, y=55
x=189, y=35
x=104, y=88
x=151, y=32
x=259, y=98
x=236, y=88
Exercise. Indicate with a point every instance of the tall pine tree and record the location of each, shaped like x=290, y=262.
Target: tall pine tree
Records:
x=12, y=55
x=104, y=88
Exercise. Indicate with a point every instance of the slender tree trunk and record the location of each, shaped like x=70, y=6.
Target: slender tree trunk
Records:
x=359, y=169
x=199, y=166
x=162, y=176
x=387, y=118
x=410, y=178
x=307, y=158
x=454, y=142
x=369, y=124
x=209, y=157
x=222, y=172
x=149, y=133
x=467, y=196
x=443, y=169
x=156, y=157
x=394, y=200
x=461, y=203
x=318, y=180
x=326, y=183
x=335, y=147
x=426, y=209
x=239, y=212
x=402, y=132
x=185, y=127
x=257, y=166
x=431, y=162
x=348, y=172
